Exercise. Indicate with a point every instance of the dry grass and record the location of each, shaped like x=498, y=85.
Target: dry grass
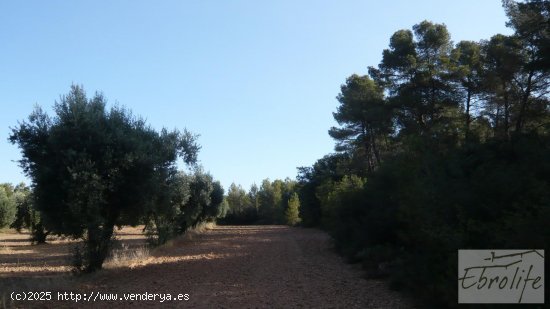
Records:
x=126, y=256
x=19, y=258
x=142, y=256
x=47, y=267
x=27, y=267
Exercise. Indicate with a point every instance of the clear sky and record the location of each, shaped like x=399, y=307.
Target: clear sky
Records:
x=256, y=79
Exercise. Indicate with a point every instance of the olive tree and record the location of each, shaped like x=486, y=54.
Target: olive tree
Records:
x=95, y=168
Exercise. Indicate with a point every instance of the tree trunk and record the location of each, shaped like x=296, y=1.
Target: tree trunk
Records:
x=366, y=144
x=98, y=243
x=524, y=101
x=497, y=121
x=506, y=111
x=468, y=100
x=39, y=234
x=375, y=148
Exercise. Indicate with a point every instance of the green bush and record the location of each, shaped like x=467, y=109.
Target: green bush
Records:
x=411, y=217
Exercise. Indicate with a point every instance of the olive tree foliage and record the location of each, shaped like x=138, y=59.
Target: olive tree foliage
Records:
x=95, y=168
x=205, y=202
x=7, y=205
x=169, y=200
x=23, y=206
x=183, y=201
x=27, y=216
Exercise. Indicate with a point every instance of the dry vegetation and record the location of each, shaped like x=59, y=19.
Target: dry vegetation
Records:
x=21, y=259
x=47, y=267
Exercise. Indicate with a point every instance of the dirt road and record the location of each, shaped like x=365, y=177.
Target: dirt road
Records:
x=248, y=267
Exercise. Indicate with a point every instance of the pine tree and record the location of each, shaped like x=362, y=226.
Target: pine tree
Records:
x=292, y=213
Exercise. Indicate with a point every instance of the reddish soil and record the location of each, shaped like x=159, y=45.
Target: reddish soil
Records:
x=240, y=267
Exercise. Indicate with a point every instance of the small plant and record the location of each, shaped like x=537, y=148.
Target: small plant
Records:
x=124, y=254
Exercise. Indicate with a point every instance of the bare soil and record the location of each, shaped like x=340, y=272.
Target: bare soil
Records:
x=231, y=267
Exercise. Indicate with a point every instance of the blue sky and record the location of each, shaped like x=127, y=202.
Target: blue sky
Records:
x=256, y=79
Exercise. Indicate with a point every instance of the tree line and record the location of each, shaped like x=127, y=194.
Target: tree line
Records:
x=94, y=169
x=274, y=202
x=440, y=147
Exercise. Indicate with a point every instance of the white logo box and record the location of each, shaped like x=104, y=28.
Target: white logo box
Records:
x=501, y=276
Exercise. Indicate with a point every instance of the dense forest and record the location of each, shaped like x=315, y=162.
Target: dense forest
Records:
x=442, y=146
